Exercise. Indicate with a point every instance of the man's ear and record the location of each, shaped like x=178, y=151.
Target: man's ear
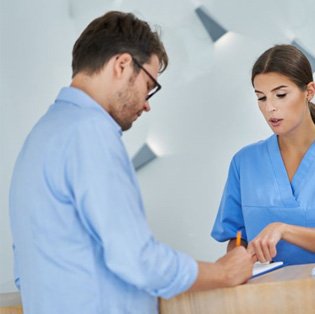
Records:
x=122, y=65
x=310, y=88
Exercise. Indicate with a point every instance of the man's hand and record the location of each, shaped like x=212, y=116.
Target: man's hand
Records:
x=230, y=270
x=237, y=265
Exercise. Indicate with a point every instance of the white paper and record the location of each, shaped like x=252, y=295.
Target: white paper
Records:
x=260, y=268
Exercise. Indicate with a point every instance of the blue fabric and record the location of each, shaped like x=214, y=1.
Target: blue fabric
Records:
x=259, y=192
x=81, y=240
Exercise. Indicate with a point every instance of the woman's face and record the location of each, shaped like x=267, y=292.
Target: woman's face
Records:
x=283, y=104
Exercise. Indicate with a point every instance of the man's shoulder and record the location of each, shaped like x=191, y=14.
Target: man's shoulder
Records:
x=71, y=117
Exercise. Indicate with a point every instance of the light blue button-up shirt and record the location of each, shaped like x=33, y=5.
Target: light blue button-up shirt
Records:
x=82, y=244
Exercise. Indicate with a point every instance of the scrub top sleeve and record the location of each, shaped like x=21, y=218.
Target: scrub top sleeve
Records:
x=109, y=204
x=230, y=217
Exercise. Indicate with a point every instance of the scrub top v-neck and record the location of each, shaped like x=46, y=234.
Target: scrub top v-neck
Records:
x=258, y=192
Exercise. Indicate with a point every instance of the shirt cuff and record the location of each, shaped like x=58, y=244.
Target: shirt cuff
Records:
x=186, y=275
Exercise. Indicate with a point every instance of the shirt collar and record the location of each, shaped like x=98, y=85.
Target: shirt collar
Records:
x=80, y=98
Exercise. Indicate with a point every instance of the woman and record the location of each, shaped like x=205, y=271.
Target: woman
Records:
x=270, y=190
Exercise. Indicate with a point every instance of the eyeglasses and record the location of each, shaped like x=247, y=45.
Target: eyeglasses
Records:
x=156, y=87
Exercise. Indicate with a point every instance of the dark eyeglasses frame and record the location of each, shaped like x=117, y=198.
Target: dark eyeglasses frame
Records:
x=156, y=87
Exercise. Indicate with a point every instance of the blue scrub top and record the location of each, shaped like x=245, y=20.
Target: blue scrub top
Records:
x=259, y=192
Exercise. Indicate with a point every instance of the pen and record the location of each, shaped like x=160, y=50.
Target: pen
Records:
x=238, y=238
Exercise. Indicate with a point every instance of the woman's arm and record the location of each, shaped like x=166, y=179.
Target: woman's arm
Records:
x=264, y=245
x=301, y=236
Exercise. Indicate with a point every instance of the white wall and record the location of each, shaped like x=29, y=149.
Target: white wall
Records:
x=204, y=113
x=36, y=43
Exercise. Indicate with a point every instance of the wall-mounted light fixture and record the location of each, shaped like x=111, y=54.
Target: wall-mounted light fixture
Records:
x=214, y=29
x=144, y=155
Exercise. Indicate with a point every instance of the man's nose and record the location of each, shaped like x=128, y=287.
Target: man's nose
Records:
x=147, y=106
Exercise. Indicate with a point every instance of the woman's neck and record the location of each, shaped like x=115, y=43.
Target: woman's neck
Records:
x=299, y=140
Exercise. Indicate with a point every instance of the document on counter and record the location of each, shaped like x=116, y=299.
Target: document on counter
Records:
x=262, y=268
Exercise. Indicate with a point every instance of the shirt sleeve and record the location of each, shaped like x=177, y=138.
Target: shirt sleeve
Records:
x=230, y=217
x=105, y=192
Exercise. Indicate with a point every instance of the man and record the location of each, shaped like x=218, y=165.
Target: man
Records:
x=82, y=243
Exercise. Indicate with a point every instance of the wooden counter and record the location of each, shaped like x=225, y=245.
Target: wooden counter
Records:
x=11, y=310
x=10, y=303
x=286, y=290
x=289, y=290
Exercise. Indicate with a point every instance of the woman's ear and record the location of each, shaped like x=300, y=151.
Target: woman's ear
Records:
x=310, y=89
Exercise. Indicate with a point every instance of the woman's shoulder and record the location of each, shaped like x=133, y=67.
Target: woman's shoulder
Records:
x=254, y=149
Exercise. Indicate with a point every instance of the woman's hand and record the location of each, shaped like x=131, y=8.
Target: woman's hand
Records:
x=264, y=245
